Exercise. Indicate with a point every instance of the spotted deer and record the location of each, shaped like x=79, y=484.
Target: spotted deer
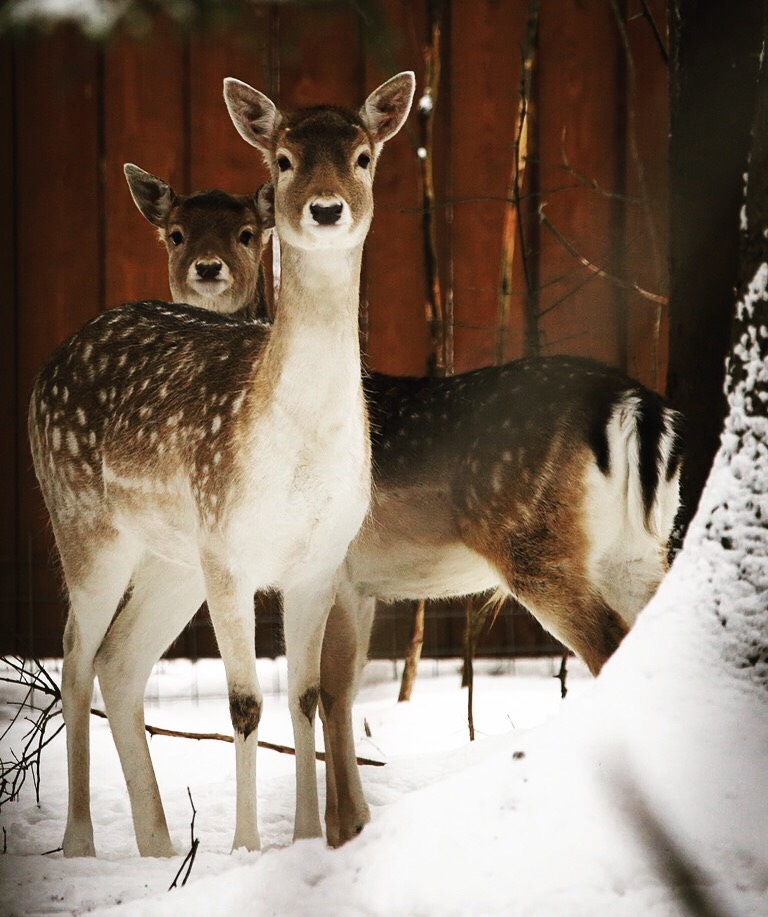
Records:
x=552, y=479
x=214, y=241
x=196, y=456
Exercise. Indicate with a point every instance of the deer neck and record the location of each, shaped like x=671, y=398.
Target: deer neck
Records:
x=314, y=353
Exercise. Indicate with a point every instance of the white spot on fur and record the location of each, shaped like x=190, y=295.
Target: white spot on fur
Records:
x=216, y=425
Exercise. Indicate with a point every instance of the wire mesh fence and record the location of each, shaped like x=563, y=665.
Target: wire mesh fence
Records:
x=33, y=610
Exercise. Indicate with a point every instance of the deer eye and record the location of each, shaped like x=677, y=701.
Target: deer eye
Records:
x=176, y=237
x=363, y=160
x=283, y=163
x=245, y=237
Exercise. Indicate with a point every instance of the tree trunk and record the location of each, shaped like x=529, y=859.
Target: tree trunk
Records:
x=714, y=51
x=729, y=536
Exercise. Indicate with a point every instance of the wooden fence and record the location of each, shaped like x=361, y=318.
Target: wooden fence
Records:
x=456, y=276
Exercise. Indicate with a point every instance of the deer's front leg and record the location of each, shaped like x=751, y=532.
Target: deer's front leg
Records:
x=230, y=603
x=305, y=611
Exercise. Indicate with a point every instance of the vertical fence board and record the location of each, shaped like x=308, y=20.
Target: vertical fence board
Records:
x=485, y=75
x=144, y=123
x=320, y=56
x=219, y=157
x=398, y=336
x=8, y=355
x=577, y=116
x=648, y=227
x=59, y=265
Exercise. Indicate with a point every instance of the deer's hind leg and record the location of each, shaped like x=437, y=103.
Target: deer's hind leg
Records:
x=345, y=649
x=531, y=528
x=96, y=581
x=163, y=600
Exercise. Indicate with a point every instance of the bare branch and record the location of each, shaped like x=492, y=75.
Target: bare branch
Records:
x=625, y=284
x=637, y=160
x=27, y=760
x=222, y=737
x=657, y=37
x=413, y=653
x=513, y=221
x=189, y=859
x=438, y=316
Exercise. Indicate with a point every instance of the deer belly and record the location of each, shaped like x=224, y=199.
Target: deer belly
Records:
x=409, y=549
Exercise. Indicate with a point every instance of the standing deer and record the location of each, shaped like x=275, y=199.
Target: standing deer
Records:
x=197, y=456
x=553, y=479
x=214, y=240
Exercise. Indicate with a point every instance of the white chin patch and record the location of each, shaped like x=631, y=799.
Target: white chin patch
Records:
x=210, y=294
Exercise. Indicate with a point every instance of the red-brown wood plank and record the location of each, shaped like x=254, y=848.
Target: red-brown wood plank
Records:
x=485, y=78
x=398, y=336
x=8, y=403
x=648, y=227
x=578, y=107
x=320, y=55
x=219, y=157
x=144, y=123
x=58, y=264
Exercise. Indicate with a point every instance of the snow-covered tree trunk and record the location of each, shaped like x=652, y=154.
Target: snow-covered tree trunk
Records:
x=728, y=538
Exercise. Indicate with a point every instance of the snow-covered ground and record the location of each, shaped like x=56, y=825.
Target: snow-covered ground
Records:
x=538, y=816
x=422, y=742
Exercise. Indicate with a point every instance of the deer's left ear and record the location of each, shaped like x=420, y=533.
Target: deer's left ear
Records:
x=386, y=108
x=151, y=194
x=265, y=205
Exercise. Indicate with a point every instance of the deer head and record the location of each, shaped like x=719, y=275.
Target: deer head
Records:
x=215, y=240
x=322, y=159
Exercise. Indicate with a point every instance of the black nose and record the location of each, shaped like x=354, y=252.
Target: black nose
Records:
x=326, y=214
x=208, y=270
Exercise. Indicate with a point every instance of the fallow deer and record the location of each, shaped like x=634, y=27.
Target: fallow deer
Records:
x=553, y=479
x=214, y=241
x=197, y=456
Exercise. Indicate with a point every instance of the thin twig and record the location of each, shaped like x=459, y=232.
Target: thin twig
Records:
x=648, y=16
x=571, y=249
x=637, y=160
x=562, y=675
x=413, y=653
x=221, y=737
x=189, y=859
x=437, y=319
x=513, y=221
x=469, y=668
x=13, y=774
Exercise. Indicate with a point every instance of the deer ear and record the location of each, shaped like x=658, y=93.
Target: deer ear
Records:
x=387, y=107
x=265, y=205
x=253, y=114
x=152, y=195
